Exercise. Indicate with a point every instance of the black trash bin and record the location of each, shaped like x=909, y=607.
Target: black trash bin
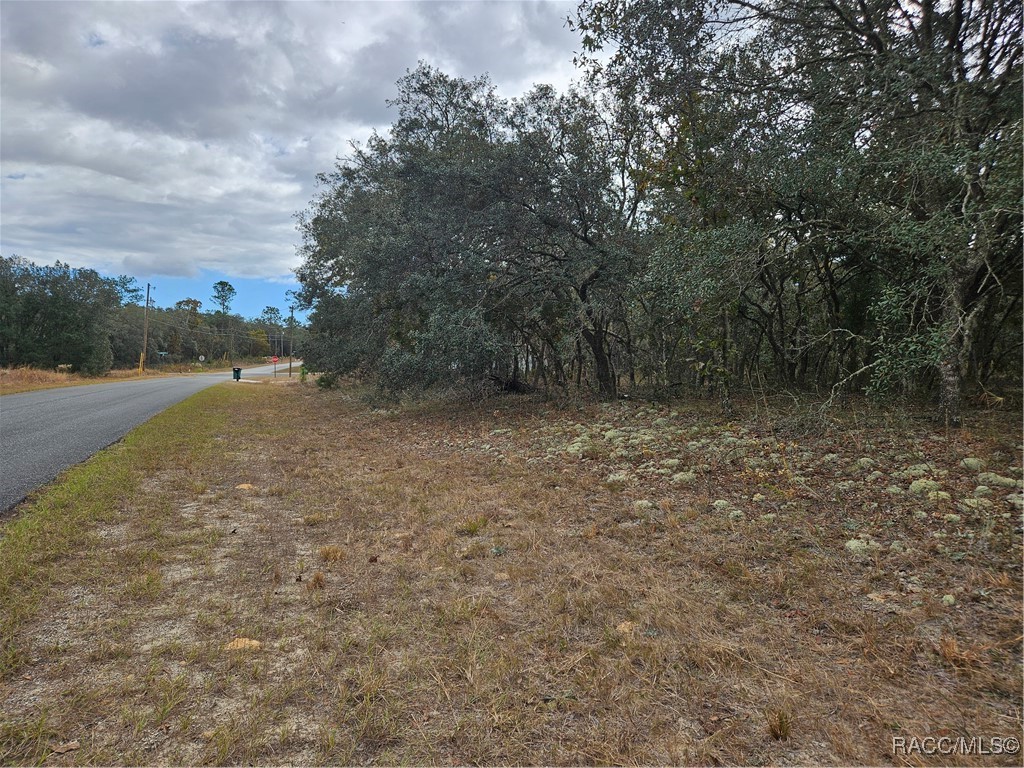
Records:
x=236, y=374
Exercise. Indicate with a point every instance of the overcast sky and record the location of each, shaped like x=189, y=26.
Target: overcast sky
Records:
x=173, y=142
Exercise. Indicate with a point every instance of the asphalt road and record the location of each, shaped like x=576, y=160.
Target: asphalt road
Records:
x=43, y=433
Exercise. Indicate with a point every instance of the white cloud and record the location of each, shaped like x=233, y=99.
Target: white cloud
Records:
x=164, y=138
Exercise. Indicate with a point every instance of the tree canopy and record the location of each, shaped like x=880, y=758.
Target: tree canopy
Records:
x=56, y=315
x=868, y=151
x=787, y=193
x=783, y=194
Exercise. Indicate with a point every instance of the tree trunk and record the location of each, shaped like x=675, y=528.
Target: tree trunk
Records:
x=578, y=364
x=951, y=365
x=723, y=364
x=602, y=364
x=950, y=382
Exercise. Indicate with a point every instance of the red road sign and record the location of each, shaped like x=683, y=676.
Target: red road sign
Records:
x=274, y=358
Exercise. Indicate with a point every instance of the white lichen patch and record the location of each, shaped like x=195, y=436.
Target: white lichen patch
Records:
x=999, y=481
x=924, y=486
x=975, y=505
x=861, y=546
x=582, y=447
x=684, y=478
x=616, y=481
x=920, y=470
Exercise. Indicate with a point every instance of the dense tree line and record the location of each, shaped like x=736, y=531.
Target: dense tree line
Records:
x=788, y=193
x=54, y=316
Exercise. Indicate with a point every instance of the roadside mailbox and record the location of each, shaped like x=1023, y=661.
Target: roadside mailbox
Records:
x=236, y=374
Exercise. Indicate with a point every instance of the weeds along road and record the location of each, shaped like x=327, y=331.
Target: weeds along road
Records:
x=43, y=433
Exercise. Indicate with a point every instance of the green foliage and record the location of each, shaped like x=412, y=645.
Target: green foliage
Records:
x=271, y=317
x=223, y=295
x=328, y=380
x=56, y=315
x=870, y=154
x=821, y=197
x=453, y=346
x=908, y=345
x=480, y=239
x=345, y=337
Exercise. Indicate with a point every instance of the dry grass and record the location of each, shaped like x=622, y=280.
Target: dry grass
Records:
x=13, y=380
x=442, y=585
x=331, y=553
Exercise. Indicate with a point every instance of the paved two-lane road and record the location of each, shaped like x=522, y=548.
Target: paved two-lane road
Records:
x=43, y=433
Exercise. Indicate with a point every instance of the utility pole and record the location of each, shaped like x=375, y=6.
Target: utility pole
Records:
x=145, y=332
x=291, y=340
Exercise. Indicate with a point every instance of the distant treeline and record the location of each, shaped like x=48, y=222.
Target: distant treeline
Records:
x=59, y=316
x=786, y=195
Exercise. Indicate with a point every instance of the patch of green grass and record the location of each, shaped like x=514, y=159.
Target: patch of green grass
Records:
x=471, y=527
x=170, y=693
x=20, y=740
x=145, y=586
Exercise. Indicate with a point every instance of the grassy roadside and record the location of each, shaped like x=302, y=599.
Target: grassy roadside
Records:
x=272, y=574
x=43, y=547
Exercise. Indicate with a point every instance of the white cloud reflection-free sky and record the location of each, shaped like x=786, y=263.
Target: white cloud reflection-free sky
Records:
x=174, y=142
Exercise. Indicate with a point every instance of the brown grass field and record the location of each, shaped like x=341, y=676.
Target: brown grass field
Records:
x=276, y=575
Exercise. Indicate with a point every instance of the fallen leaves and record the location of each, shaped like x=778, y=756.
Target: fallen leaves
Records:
x=626, y=628
x=881, y=597
x=243, y=644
